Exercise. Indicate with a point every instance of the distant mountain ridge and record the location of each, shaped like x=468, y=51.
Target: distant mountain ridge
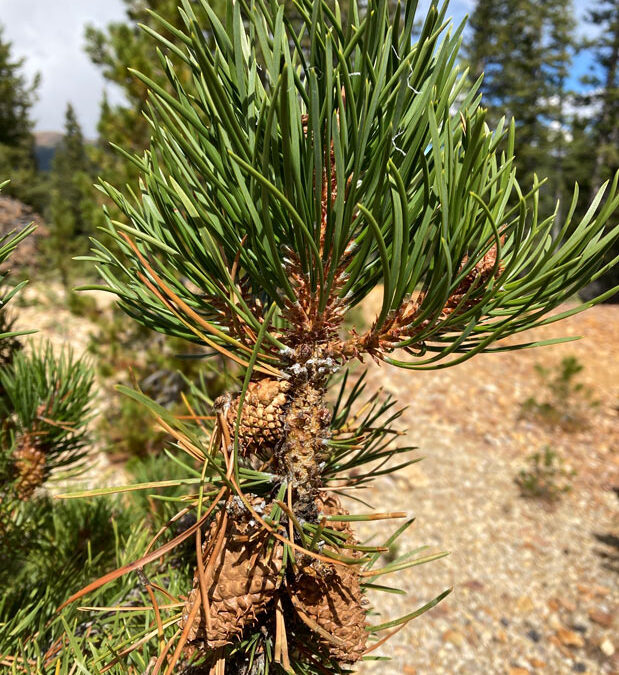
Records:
x=46, y=143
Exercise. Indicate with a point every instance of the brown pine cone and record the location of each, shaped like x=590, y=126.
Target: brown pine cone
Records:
x=262, y=428
x=329, y=504
x=244, y=579
x=332, y=598
x=29, y=463
x=335, y=603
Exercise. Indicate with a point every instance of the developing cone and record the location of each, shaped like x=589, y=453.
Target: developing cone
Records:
x=261, y=428
x=29, y=462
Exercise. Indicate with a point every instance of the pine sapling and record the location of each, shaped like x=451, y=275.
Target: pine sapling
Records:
x=9, y=343
x=44, y=412
x=44, y=407
x=301, y=168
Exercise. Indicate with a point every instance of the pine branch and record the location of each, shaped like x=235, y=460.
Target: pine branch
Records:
x=291, y=174
x=254, y=194
x=45, y=410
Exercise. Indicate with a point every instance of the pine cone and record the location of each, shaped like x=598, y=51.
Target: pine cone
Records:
x=329, y=505
x=262, y=426
x=333, y=598
x=335, y=603
x=29, y=464
x=244, y=580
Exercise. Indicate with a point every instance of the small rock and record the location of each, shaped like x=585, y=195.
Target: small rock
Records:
x=518, y=671
x=595, y=589
x=607, y=647
x=579, y=627
x=454, y=637
x=570, y=638
x=504, y=621
x=567, y=605
x=602, y=618
x=578, y=667
x=409, y=671
x=524, y=604
x=554, y=622
x=486, y=637
x=553, y=639
x=537, y=663
x=534, y=635
x=473, y=585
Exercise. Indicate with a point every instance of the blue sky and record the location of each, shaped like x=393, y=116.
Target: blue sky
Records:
x=50, y=35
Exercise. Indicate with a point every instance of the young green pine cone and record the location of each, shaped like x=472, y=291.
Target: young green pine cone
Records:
x=262, y=427
x=243, y=580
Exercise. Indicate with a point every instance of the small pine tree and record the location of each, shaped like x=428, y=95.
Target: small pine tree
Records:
x=44, y=403
x=44, y=410
x=44, y=416
x=272, y=201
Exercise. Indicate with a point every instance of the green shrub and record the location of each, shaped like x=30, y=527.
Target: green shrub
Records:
x=565, y=402
x=82, y=305
x=546, y=477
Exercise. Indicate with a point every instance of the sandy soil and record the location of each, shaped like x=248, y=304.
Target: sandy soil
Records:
x=535, y=586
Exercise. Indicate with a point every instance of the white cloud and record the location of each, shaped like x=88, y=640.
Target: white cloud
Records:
x=50, y=35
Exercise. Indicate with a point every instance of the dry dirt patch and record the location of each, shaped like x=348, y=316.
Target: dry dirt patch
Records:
x=535, y=587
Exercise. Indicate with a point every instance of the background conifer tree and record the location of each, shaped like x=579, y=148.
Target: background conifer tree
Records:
x=73, y=212
x=605, y=18
x=9, y=344
x=595, y=150
x=524, y=50
x=17, y=158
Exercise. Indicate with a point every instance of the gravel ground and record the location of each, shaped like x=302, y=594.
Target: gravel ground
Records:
x=535, y=585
